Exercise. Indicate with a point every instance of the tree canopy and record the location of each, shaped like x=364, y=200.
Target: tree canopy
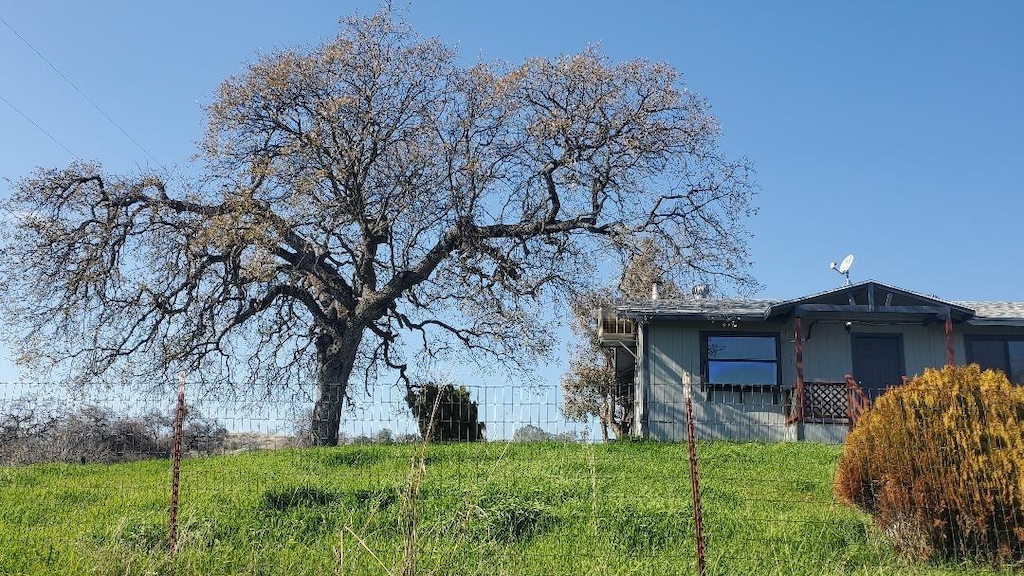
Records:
x=361, y=192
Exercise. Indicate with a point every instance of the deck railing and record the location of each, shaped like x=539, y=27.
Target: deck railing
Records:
x=858, y=402
x=612, y=328
x=828, y=403
x=822, y=402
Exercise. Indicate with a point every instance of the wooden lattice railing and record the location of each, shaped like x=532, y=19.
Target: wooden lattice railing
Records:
x=828, y=403
x=824, y=402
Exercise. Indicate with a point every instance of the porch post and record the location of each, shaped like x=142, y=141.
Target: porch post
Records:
x=798, y=413
x=640, y=378
x=950, y=352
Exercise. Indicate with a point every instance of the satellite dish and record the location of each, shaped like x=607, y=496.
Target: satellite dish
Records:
x=844, y=267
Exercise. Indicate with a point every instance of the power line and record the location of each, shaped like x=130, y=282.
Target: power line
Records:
x=79, y=90
x=38, y=127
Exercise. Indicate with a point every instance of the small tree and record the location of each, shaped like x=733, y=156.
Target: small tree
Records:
x=592, y=388
x=444, y=412
x=531, y=433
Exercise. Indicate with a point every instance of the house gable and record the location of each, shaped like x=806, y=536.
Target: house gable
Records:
x=871, y=300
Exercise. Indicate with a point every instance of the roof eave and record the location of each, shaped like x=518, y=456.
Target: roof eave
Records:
x=698, y=316
x=1011, y=322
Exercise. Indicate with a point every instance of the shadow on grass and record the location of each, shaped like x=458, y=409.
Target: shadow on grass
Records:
x=308, y=496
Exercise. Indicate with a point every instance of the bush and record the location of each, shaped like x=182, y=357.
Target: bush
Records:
x=938, y=464
x=446, y=412
x=38, y=430
x=531, y=433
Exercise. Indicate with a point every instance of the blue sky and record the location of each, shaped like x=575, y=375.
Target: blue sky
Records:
x=888, y=129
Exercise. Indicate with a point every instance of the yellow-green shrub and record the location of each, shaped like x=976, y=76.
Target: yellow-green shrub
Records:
x=939, y=464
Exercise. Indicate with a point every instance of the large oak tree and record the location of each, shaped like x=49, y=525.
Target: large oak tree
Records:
x=363, y=190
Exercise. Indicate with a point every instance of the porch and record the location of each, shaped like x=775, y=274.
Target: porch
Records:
x=877, y=357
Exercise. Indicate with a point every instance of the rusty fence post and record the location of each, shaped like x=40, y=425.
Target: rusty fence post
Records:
x=698, y=515
x=179, y=422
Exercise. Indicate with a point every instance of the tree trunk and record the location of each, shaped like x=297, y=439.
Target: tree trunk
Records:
x=336, y=356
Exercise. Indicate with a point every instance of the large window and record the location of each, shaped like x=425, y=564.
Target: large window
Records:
x=740, y=359
x=1004, y=353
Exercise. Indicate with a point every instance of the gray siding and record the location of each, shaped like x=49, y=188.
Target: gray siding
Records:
x=671, y=350
x=828, y=355
x=675, y=359
x=826, y=433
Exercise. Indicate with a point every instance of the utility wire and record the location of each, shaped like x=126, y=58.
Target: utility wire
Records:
x=79, y=90
x=38, y=127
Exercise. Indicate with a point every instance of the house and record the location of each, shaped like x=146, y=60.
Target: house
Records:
x=801, y=369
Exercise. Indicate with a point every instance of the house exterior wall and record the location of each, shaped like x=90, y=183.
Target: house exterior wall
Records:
x=674, y=352
x=970, y=330
x=673, y=357
x=828, y=354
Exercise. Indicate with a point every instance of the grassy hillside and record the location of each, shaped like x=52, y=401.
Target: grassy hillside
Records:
x=487, y=508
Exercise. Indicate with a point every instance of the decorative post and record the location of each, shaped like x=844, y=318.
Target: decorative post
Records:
x=179, y=421
x=798, y=409
x=698, y=515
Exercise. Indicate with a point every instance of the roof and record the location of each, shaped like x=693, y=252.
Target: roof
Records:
x=696, y=308
x=864, y=299
x=996, y=313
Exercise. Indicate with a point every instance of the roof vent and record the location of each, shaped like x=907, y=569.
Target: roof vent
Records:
x=700, y=291
x=654, y=289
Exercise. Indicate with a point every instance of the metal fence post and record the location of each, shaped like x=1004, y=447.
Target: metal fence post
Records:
x=698, y=516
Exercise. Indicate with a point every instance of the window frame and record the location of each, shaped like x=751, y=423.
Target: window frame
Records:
x=970, y=339
x=705, y=360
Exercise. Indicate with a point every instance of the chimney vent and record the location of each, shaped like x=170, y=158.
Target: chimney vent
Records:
x=701, y=291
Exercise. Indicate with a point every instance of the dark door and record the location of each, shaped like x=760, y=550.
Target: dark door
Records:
x=877, y=361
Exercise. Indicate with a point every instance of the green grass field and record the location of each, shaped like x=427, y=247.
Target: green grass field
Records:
x=486, y=508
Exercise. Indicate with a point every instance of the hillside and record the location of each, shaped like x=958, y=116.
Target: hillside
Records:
x=486, y=508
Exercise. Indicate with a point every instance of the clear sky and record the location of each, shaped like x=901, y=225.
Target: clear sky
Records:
x=892, y=130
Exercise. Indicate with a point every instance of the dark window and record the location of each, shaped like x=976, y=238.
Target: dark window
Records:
x=1005, y=353
x=738, y=359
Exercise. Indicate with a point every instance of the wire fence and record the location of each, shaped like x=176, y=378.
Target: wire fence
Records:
x=86, y=487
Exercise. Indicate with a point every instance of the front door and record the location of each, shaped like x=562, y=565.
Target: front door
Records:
x=877, y=361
